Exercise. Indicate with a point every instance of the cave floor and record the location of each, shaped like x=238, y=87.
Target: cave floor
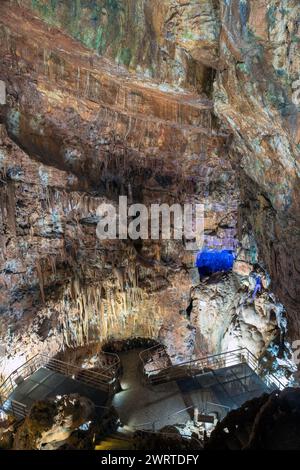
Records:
x=215, y=392
x=139, y=403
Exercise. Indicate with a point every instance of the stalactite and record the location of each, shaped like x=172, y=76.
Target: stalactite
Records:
x=51, y=261
x=45, y=62
x=119, y=274
x=40, y=279
x=75, y=287
x=48, y=197
x=10, y=206
x=91, y=312
x=3, y=206
x=85, y=312
x=2, y=247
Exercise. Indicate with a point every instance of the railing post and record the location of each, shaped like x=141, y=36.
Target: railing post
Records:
x=196, y=416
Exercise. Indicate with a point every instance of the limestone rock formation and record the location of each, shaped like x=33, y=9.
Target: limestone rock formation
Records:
x=163, y=102
x=270, y=422
x=91, y=132
x=50, y=423
x=257, y=94
x=172, y=41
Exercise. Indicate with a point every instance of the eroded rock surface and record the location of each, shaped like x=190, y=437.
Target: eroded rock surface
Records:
x=66, y=422
x=247, y=320
x=82, y=130
x=257, y=94
x=92, y=132
x=270, y=422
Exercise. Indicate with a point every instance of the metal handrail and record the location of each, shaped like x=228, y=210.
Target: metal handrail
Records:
x=217, y=404
x=111, y=354
x=117, y=362
x=97, y=379
x=7, y=386
x=153, y=423
x=184, y=436
x=202, y=359
x=156, y=346
x=241, y=354
x=72, y=366
x=184, y=368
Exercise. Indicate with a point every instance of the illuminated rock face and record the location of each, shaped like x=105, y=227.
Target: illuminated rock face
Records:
x=90, y=131
x=227, y=316
x=51, y=422
x=254, y=51
x=256, y=94
x=149, y=37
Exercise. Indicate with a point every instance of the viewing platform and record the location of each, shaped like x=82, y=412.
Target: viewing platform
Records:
x=145, y=396
x=42, y=377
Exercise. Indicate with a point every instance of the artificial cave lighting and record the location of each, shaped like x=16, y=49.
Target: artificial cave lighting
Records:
x=149, y=236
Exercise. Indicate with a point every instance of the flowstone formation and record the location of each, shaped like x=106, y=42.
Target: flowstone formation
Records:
x=89, y=133
x=162, y=102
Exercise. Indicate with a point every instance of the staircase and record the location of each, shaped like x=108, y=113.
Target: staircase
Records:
x=13, y=407
x=120, y=440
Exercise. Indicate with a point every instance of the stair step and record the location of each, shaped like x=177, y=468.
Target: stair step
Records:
x=115, y=442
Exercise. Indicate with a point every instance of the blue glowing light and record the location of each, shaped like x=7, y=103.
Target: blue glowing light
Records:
x=213, y=261
x=258, y=286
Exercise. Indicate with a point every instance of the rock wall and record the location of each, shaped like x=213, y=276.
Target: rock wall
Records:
x=151, y=37
x=256, y=94
x=270, y=422
x=82, y=129
x=89, y=133
x=252, y=50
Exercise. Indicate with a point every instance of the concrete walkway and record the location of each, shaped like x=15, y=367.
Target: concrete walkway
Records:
x=141, y=403
x=214, y=392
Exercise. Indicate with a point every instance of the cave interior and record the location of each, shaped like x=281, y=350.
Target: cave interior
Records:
x=121, y=327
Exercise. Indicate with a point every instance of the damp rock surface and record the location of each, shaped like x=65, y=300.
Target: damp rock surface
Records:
x=191, y=102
